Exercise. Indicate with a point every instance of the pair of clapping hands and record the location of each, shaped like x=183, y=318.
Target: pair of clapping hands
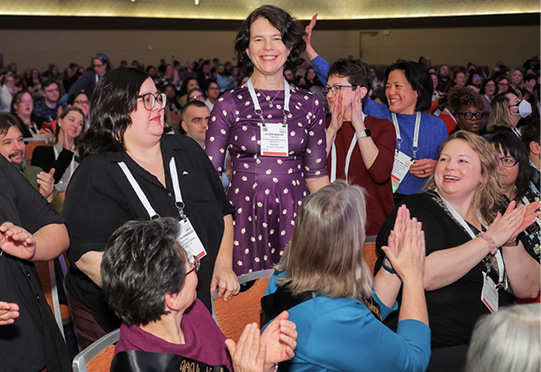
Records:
x=256, y=352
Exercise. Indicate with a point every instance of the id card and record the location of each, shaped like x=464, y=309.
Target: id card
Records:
x=401, y=166
x=274, y=139
x=189, y=240
x=489, y=294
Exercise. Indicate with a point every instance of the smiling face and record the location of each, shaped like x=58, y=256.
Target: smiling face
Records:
x=458, y=172
x=146, y=126
x=82, y=102
x=51, y=93
x=25, y=106
x=348, y=94
x=266, y=49
x=12, y=147
x=508, y=175
x=400, y=94
x=72, y=124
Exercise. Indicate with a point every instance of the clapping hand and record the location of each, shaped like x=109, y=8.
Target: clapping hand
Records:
x=16, y=241
x=8, y=313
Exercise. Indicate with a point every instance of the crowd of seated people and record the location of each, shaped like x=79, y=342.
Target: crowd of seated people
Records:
x=457, y=145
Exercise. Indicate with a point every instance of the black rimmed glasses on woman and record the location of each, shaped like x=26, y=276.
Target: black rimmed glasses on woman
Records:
x=149, y=100
x=337, y=88
x=468, y=115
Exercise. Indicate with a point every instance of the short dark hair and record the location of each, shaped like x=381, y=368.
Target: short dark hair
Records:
x=512, y=145
x=463, y=96
x=356, y=71
x=7, y=121
x=419, y=79
x=141, y=264
x=45, y=83
x=484, y=85
x=291, y=30
x=72, y=97
x=114, y=98
x=530, y=132
x=194, y=103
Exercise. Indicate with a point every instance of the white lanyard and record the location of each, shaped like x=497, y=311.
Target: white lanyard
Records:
x=257, y=107
x=414, y=147
x=468, y=229
x=354, y=141
x=143, y=198
x=72, y=163
x=450, y=114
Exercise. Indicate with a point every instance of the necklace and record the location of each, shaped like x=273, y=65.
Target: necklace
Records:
x=268, y=98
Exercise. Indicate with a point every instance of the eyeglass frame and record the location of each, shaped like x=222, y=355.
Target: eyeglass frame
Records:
x=153, y=100
x=478, y=115
x=509, y=157
x=196, y=266
x=79, y=102
x=332, y=89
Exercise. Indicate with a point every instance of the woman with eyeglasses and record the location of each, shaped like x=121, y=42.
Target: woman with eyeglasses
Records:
x=150, y=281
x=515, y=173
x=81, y=101
x=134, y=169
x=474, y=264
x=275, y=135
x=100, y=66
x=487, y=92
x=506, y=111
x=502, y=82
x=408, y=88
x=22, y=107
x=467, y=108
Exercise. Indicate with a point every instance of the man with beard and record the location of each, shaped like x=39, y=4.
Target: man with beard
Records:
x=12, y=148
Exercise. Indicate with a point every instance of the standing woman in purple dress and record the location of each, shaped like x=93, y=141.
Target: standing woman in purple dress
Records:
x=275, y=135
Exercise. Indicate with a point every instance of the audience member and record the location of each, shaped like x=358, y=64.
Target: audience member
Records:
x=503, y=83
x=87, y=82
x=326, y=286
x=62, y=154
x=516, y=82
x=195, y=118
x=81, y=101
x=47, y=109
x=204, y=75
x=530, y=137
x=212, y=93
x=22, y=107
x=468, y=271
x=268, y=182
x=30, y=230
x=487, y=92
x=12, y=147
x=467, y=107
x=7, y=91
x=505, y=113
x=187, y=85
x=508, y=340
x=360, y=148
x=164, y=319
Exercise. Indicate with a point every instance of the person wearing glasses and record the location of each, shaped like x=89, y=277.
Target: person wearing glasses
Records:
x=81, y=101
x=150, y=281
x=467, y=106
x=133, y=169
x=487, y=92
x=360, y=148
x=275, y=135
x=22, y=107
x=47, y=108
x=507, y=109
x=515, y=173
x=87, y=82
x=474, y=264
x=503, y=83
x=408, y=88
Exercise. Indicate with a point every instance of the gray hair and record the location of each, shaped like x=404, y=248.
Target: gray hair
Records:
x=509, y=340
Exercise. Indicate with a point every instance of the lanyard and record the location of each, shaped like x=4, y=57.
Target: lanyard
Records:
x=415, y=147
x=354, y=140
x=143, y=198
x=468, y=229
x=72, y=163
x=257, y=107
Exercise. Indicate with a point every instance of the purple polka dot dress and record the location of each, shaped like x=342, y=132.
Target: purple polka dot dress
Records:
x=266, y=190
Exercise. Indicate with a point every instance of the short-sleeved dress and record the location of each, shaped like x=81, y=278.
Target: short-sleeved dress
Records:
x=266, y=191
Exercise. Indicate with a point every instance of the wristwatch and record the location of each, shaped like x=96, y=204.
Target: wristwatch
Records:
x=364, y=133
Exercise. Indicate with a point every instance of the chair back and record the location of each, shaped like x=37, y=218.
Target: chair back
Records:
x=369, y=252
x=31, y=145
x=234, y=314
x=98, y=356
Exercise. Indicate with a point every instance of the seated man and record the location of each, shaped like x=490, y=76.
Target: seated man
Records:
x=30, y=230
x=47, y=108
x=12, y=148
x=150, y=282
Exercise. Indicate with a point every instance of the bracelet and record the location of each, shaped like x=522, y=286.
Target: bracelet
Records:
x=491, y=243
x=389, y=269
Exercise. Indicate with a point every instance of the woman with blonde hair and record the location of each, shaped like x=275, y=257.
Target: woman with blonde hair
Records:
x=505, y=113
x=325, y=284
x=474, y=263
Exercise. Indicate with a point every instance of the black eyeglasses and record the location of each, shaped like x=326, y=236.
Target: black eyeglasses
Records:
x=509, y=161
x=468, y=115
x=149, y=100
x=337, y=88
x=196, y=265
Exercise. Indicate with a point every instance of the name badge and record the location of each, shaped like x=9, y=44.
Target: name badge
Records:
x=189, y=240
x=274, y=139
x=401, y=166
x=489, y=294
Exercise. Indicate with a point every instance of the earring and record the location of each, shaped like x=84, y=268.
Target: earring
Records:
x=118, y=137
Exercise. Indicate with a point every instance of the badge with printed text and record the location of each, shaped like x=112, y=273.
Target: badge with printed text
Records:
x=274, y=139
x=489, y=294
x=189, y=240
x=401, y=166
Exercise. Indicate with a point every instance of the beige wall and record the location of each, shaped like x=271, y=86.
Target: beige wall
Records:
x=454, y=46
